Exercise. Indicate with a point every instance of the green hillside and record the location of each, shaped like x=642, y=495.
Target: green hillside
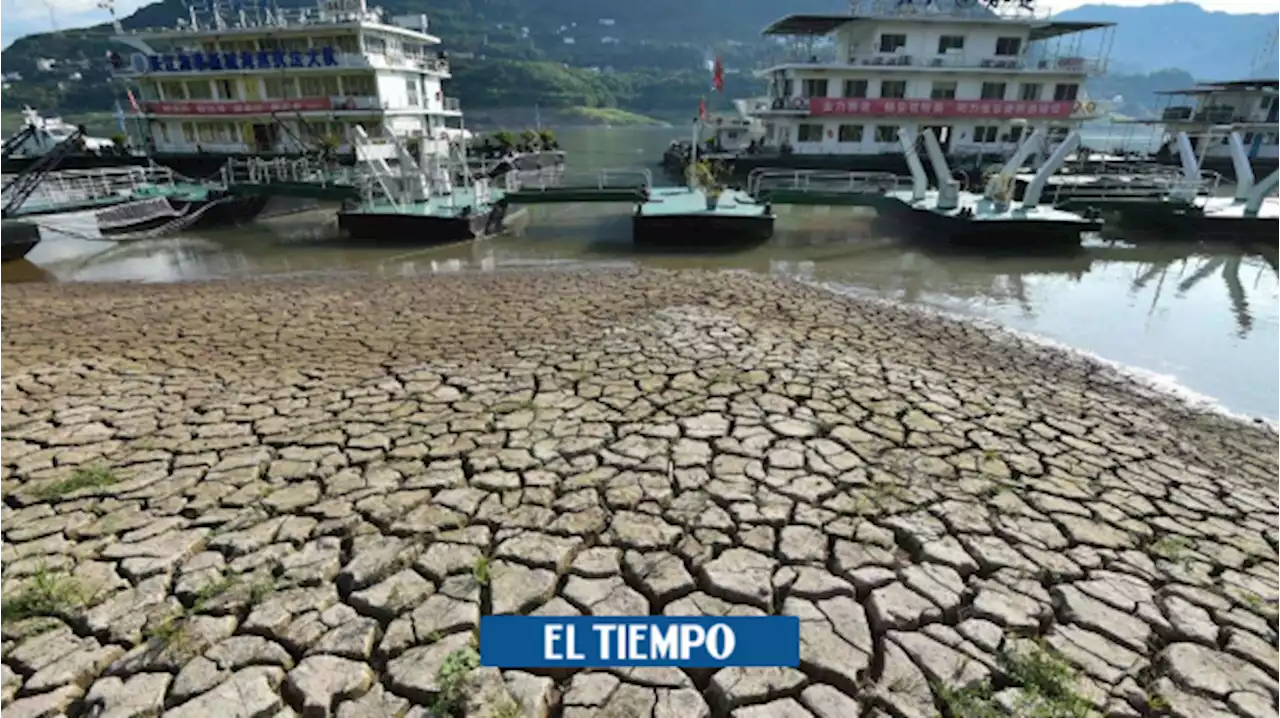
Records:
x=649, y=58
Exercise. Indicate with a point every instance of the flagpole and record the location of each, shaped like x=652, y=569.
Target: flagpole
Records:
x=693, y=153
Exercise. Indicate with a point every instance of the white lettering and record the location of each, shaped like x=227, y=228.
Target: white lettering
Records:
x=691, y=636
x=551, y=636
x=664, y=643
x=635, y=639
x=720, y=641
x=571, y=644
x=604, y=632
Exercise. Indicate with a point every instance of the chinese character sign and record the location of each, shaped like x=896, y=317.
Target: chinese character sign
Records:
x=243, y=60
x=197, y=107
x=992, y=109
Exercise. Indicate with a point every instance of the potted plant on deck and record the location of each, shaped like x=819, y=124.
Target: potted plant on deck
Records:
x=708, y=177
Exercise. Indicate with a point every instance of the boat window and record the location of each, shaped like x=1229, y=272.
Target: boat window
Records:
x=1029, y=92
x=855, y=88
x=993, y=90
x=886, y=133
x=892, y=43
x=1008, y=45
x=1015, y=135
x=347, y=43
x=985, y=134
x=809, y=133
x=311, y=86
x=1248, y=137
x=199, y=90
x=950, y=42
x=814, y=88
x=411, y=88
x=893, y=89
x=279, y=88
x=1065, y=92
x=225, y=90
x=148, y=91
x=943, y=91
x=173, y=90
x=189, y=132
x=850, y=133
x=357, y=85
x=375, y=44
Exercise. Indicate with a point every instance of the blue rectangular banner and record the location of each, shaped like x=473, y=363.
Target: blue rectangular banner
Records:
x=626, y=641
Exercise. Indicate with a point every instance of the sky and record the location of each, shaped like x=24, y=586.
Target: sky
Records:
x=20, y=17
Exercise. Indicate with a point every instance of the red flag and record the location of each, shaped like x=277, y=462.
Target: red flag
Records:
x=717, y=76
x=702, y=108
x=133, y=102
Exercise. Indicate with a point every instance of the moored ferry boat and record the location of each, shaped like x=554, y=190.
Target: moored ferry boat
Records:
x=38, y=136
x=980, y=75
x=263, y=81
x=1210, y=111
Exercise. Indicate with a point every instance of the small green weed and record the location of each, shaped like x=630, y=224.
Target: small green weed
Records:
x=81, y=478
x=481, y=571
x=1046, y=683
x=45, y=594
x=452, y=678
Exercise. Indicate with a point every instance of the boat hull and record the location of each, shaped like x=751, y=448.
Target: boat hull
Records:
x=403, y=229
x=700, y=231
x=1173, y=221
x=1023, y=234
x=17, y=239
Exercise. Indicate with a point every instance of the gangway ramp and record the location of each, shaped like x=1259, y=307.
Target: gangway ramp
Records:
x=555, y=186
x=821, y=187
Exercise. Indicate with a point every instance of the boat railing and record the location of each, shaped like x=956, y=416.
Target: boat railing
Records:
x=556, y=177
x=1162, y=186
x=75, y=186
x=256, y=170
x=767, y=179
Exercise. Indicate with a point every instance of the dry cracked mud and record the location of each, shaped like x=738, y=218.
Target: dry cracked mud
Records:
x=298, y=498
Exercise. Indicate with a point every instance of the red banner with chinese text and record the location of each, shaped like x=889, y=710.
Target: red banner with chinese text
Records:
x=231, y=107
x=995, y=109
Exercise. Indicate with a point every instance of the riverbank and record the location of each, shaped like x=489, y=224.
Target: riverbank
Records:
x=240, y=496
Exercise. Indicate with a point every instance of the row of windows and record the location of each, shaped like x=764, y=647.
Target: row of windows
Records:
x=940, y=90
x=1005, y=46
x=982, y=134
x=234, y=133
x=273, y=88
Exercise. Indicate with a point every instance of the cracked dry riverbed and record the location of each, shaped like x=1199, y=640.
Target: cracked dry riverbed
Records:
x=298, y=498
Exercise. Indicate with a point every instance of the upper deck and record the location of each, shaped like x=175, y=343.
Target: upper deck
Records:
x=1237, y=102
x=941, y=36
x=342, y=34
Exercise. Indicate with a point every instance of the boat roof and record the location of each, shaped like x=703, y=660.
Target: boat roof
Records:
x=817, y=25
x=1205, y=88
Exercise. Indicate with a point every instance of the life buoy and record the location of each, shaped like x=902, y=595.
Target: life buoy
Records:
x=1089, y=107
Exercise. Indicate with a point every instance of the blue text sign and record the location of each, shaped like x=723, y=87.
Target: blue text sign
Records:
x=242, y=60
x=625, y=641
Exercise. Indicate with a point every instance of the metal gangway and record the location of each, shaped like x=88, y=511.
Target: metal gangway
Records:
x=556, y=185
x=821, y=187
x=298, y=177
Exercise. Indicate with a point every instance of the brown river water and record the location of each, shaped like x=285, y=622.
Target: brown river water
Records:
x=1202, y=320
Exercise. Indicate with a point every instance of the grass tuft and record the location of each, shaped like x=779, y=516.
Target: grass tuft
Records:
x=81, y=478
x=45, y=594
